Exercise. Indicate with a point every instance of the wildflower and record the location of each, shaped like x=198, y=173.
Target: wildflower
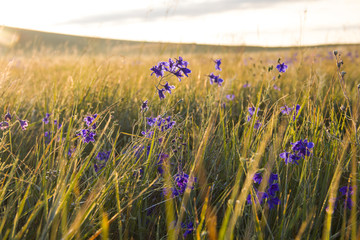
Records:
x=56, y=124
x=217, y=64
x=257, y=125
x=87, y=135
x=302, y=147
x=4, y=125
x=297, y=108
x=24, y=124
x=162, y=157
x=290, y=158
x=151, y=121
x=269, y=194
x=144, y=106
x=273, y=201
x=46, y=118
x=230, y=97
x=251, y=111
x=168, y=87
x=273, y=177
x=89, y=121
x=181, y=181
x=47, y=136
x=7, y=117
x=257, y=178
x=246, y=85
x=159, y=69
x=277, y=88
x=346, y=192
x=335, y=52
x=148, y=133
x=273, y=188
x=71, y=151
x=189, y=228
x=286, y=110
x=161, y=93
x=281, y=67
x=102, y=158
x=215, y=79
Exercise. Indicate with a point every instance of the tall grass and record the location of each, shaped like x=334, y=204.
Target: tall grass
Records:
x=47, y=193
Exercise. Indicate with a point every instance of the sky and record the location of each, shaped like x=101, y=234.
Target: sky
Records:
x=220, y=22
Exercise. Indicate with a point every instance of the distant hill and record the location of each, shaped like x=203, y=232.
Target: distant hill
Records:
x=15, y=39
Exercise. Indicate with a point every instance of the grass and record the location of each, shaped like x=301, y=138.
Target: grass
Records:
x=47, y=194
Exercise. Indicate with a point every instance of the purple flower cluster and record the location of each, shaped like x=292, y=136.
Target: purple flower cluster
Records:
x=288, y=110
x=270, y=192
x=102, y=159
x=178, y=68
x=89, y=133
x=300, y=149
x=181, y=181
x=215, y=79
x=5, y=124
x=46, y=118
x=346, y=192
x=163, y=124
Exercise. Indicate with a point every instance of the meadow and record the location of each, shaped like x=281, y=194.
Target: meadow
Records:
x=264, y=145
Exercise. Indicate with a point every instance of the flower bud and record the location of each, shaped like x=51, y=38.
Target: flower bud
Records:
x=343, y=74
x=335, y=52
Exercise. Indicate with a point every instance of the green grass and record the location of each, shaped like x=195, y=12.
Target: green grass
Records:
x=47, y=194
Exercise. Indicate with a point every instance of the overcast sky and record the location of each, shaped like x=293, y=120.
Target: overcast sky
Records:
x=230, y=22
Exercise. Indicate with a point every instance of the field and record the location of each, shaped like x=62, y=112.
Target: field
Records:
x=269, y=153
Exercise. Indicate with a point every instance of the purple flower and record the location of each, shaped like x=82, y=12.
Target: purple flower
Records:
x=273, y=177
x=273, y=188
x=286, y=110
x=159, y=69
x=7, y=117
x=56, y=124
x=297, y=108
x=162, y=157
x=102, y=158
x=189, y=228
x=257, y=125
x=87, y=135
x=276, y=88
x=272, y=202
x=89, y=121
x=168, y=87
x=346, y=191
x=181, y=181
x=281, y=67
x=257, y=178
x=46, y=118
x=251, y=111
x=151, y=121
x=215, y=79
x=217, y=64
x=24, y=124
x=144, y=106
x=230, y=97
x=148, y=133
x=290, y=158
x=302, y=147
x=246, y=85
x=4, y=125
x=161, y=93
